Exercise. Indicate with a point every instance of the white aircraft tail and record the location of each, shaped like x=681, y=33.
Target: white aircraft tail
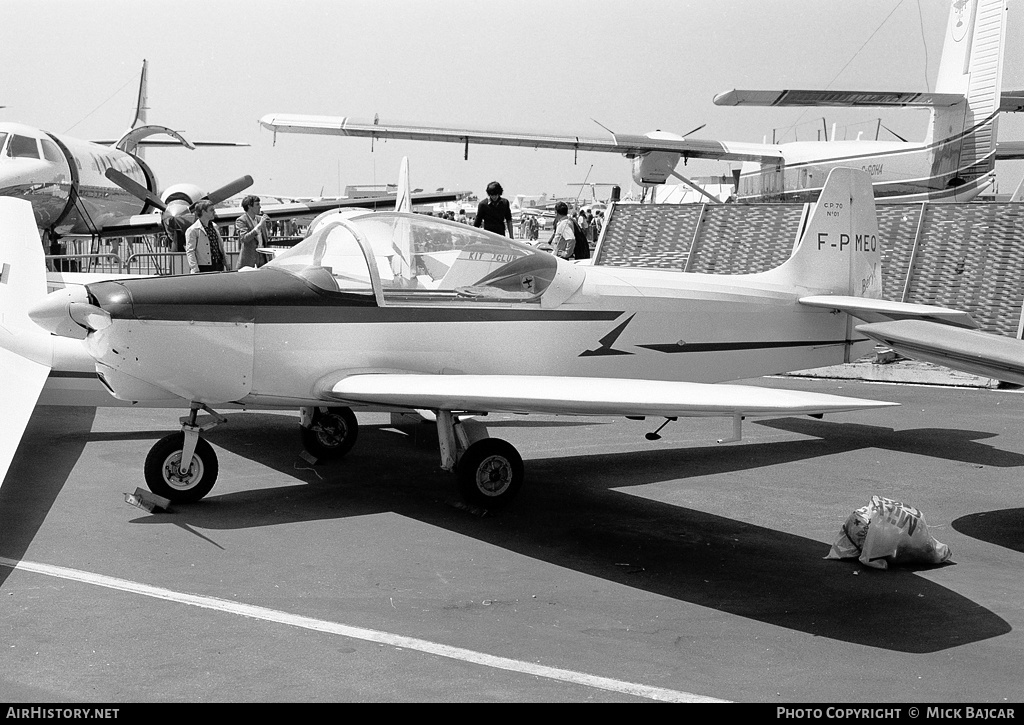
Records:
x=25, y=350
x=972, y=66
x=404, y=200
x=839, y=252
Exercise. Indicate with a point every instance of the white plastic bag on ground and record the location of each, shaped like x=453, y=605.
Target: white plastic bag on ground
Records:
x=888, y=532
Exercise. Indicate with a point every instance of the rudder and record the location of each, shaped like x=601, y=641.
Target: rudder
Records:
x=840, y=250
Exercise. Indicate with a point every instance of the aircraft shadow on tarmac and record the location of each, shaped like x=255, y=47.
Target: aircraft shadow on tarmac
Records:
x=689, y=555
x=1003, y=527
x=571, y=515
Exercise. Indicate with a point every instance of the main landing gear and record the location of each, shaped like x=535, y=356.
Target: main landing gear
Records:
x=489, y=471
x=182, y=467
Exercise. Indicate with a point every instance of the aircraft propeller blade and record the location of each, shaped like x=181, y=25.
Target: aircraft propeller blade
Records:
x=135, y=188
x=694, y=130
x=230, y=189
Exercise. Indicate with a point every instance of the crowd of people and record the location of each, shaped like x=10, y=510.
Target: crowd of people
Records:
x=573, y=235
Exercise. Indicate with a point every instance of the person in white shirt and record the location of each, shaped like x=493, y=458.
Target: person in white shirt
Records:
x=563, y=239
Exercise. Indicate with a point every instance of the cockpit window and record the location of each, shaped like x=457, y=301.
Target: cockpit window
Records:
x=3, y=140
x=330, y=259
x=420, y=255
x=23, y=147
x=51, y=152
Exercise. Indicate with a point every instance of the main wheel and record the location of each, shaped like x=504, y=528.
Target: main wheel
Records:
x=490, y=473
x=332, y=434
x=163, y=474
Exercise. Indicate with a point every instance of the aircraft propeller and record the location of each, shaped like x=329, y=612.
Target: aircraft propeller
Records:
x=176, y=213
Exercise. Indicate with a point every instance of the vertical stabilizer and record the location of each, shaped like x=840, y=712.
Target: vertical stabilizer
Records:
x=141, y=109
x=26, y=351
x=839, y=252
x=971, y=65
x=404, y=200
x=401, y=243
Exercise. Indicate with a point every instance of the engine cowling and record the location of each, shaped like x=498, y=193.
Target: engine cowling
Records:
x=655, y=167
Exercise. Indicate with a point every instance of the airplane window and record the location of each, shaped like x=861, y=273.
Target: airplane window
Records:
x=23, y=147
x=51, y=152
x=417, y=253
x=3, y=140
x=331, y=259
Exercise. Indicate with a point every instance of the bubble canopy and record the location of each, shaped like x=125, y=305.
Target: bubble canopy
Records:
x=395, y=254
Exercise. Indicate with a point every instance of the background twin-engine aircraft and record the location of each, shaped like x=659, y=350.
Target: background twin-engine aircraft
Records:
x=405, y=312
x=955, y=162
x=105, y=188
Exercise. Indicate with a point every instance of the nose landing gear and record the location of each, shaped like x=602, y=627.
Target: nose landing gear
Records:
x=182, y=467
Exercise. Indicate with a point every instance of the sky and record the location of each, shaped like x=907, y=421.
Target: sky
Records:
x=71, y=67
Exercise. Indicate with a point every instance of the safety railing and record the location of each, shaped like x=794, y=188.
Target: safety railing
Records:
x=107, y=263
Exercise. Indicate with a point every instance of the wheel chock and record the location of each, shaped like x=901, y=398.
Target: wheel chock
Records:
x=147, y=500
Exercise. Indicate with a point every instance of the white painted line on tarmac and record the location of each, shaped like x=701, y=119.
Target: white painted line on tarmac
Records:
x=368, y=635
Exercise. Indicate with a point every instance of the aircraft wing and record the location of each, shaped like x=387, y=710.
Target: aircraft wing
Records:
x=844, y=99
x=583, y=396
x=625, y=144
x=878, y=310
x=141, y=224
x=1009, y=150
x=973, y=351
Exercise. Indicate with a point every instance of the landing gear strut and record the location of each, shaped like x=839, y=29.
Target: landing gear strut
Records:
x=489, y=471
x=328, y=432
x=182, y=467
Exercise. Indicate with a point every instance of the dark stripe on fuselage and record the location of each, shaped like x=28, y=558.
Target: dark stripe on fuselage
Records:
x=675, y=347
x=271, y=296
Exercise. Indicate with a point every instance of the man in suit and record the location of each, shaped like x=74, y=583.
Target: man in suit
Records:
x=251, y=230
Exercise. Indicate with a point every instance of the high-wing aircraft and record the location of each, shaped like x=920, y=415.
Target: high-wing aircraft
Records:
x=407, y=312
x=955, y=162
x=105, y=188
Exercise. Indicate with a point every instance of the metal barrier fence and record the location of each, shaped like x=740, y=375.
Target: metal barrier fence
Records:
x=98, y=263
x=968, y=256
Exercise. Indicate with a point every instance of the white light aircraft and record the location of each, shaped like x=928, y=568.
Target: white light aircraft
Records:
x=955, y=162
x=105, y=188
x=407, y=312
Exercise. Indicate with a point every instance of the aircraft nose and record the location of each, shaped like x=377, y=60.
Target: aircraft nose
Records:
x=68, y=313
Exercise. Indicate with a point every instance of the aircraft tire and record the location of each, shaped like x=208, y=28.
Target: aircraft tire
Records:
x=333, y=433
x=490, y=473
x=162, y=475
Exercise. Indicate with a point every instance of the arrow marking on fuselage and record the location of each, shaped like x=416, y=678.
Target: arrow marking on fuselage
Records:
x=608, y=340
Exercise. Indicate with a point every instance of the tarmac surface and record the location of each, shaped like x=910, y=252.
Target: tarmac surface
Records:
x=626, y=571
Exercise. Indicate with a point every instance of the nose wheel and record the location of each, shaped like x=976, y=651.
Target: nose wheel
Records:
x=165, y=476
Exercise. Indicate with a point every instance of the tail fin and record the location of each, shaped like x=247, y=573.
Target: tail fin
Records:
x=839, y=252
x=22, y=265
x=26, y=351
x=972, y=66
x=404, y=200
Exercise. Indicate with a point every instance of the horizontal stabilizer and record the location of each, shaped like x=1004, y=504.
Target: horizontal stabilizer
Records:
x=584, y=396
x=843, y=99
x=878, y=310
x=972, y=351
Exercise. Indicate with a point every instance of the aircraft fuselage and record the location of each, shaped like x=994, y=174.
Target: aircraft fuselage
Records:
x=267, y=337
x=63, y=178
x=899, y=171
